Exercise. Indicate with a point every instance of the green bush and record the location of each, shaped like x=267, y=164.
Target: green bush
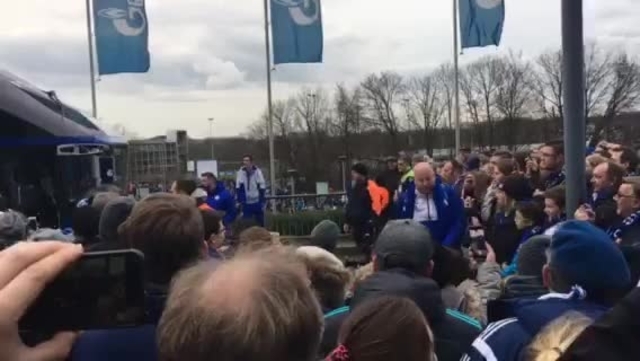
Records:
x=302, y=223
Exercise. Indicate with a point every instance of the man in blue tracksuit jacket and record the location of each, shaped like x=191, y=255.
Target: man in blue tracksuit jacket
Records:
x=219, y=198
x=585, y=271
x=434, y=204
x=251, y=186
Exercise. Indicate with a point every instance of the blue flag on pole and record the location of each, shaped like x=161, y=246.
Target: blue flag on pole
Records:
x=122, y=36
x=296, y=29
x=481, y=22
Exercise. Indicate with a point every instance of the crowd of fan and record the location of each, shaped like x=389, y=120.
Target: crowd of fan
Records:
x=480, y=265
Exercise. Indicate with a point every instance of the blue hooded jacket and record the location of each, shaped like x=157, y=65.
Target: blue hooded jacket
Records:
x=506, y=339
x=449, y=229
x=221, y=200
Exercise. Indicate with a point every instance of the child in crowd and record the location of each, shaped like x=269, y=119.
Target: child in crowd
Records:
x=529, y=220
x=554, y=206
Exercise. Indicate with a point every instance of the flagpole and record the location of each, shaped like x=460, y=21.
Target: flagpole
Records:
x=272, y=162
x=92, y=70
x=456, y=76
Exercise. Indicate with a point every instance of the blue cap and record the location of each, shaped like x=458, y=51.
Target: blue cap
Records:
x=586, y=256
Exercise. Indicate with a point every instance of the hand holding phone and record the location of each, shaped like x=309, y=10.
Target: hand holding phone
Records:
x=585, y=213
x=26, y=268
x=101, y=290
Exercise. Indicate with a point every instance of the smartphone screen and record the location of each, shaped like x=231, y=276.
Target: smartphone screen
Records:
x=102, y=290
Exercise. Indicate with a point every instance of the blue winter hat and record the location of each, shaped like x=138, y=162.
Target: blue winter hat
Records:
x=584, y=255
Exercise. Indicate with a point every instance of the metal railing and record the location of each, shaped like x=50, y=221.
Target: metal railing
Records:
x=295, y=203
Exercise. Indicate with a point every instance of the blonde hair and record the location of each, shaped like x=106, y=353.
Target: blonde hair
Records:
x=554, y=340
x=329, y=277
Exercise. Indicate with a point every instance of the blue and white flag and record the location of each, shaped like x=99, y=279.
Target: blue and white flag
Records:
x=296, y=29
x=481, y=22
x=122, y=36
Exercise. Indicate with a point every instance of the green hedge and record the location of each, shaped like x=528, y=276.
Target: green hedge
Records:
x=301, y=224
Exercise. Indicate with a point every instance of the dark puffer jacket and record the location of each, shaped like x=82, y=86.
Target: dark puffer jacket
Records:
x=453, y=331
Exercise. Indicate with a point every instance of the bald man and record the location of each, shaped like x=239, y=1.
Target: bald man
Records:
x=435, y=205
x=256, y=307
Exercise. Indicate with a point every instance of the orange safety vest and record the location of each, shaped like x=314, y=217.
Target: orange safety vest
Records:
x=379, y=197
x=205, y=207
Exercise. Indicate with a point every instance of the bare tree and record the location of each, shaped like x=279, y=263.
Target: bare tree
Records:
x=348, y=119
x=486, y=78
x=598, y=70
x=547, y=86
x=423, y=96
x=312, y=112
x=471, y=101
x=548, y=83
x=623, y=91
x=446, y=84
x=513, y=95
x=382, y=95
x=284, y=130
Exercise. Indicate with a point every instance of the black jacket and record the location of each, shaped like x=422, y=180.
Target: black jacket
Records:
x=605, y=209
x=504, y=237
x=390, y=179
x=358, y=210
x=613, y=337
x=453, y=332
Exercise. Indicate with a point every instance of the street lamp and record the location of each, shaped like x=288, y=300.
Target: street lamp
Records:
x=343, y=171
x=211, y=137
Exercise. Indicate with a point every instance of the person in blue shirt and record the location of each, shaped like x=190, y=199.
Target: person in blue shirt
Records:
x=219, y=198
x=435, y=205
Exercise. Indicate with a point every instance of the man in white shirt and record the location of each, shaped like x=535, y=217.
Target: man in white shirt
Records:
x=435, y=205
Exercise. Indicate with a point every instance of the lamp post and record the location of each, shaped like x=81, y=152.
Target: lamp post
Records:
x=211, y=137
x=343, y=171
x=573, y=85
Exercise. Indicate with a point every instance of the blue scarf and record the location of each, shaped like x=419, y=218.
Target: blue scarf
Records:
x=530, y=232
x=553, y=221
x=617, y=232
x=554, y=180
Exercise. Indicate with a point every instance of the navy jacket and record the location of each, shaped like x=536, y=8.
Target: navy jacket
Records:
x=450, y=227
x=129, y=344
x=506, y=340
x=221, y=200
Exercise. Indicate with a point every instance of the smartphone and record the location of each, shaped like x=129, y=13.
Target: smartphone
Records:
x=102, y=290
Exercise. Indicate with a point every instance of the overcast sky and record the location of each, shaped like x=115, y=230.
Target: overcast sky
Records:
x=207, y=56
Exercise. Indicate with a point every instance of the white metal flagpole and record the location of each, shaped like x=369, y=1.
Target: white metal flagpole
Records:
x=272, y=161
x=92, y=70
x=456, y=76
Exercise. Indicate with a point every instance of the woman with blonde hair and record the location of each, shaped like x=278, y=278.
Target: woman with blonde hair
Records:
x=554, y=340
